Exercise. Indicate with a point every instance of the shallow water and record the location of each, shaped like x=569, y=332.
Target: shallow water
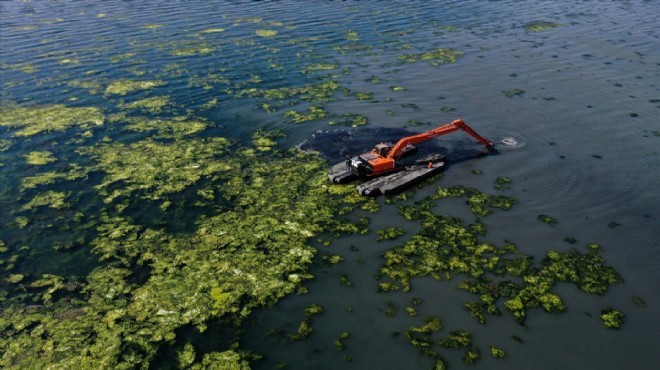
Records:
x=587, y=115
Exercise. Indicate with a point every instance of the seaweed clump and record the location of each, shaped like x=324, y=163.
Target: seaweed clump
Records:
x=611, y=317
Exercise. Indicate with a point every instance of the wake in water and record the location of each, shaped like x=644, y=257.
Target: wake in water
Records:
x=507, y=140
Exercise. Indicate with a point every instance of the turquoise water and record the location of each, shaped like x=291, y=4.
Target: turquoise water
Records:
x=587, y=114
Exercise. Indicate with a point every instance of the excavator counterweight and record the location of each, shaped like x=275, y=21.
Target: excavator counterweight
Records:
x=383, y=168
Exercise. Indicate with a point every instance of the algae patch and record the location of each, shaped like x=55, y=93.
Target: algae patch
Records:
x=435, y=57
x=123, y=87
x=538, y=26
x=36, y=120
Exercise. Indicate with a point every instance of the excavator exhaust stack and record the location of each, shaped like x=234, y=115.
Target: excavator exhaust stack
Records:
x=382, y=168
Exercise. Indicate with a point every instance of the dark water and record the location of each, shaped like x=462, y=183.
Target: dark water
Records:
x=588, y=119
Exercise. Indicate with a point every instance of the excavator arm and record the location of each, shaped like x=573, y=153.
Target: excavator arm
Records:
x=456, y=125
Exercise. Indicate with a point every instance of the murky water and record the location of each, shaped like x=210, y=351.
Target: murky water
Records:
x=574, y=110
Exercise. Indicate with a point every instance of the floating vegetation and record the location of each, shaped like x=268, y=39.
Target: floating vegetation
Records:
x=339, y=342
x=397, y=88
x=36, y=120
x=345, y=281
x=153, y=105
x=23, y=67
x=313, y=114
x=639, y=302
x=351, y=120
x=52, y=199
x=319, y=67
x=174, y=128
x=242, y=256
x=435, y=58
x=513, y=92
x=390, y=233
x=497, y=352
x=213, y=30
x=479, y=202
x=471, y=355
x=266, y=33
x=457, y=339
x=123, y=87
x=333, y=259
x=502, y=183
x=192, y=50
x=5, y=145
x=39, y=158
x=446, y=248
x=368, y=96
x=547, y=219
x=612, y=318
x=157, y=169
x=538, y=26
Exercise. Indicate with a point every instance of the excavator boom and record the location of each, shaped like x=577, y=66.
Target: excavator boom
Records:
x=456, y=125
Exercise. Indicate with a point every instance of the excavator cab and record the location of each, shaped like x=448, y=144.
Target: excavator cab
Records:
x=383, y=148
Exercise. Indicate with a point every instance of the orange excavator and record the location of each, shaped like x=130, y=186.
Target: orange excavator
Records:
x=383, y=168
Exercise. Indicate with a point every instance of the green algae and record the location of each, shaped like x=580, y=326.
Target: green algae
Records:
x=502, y=183
x=339, y=342
x=480, y=203
x=266, y=33
x=235, y=259
x=123, y=87
x=611, y=317
x=153, y=105
x=351, y=120
x=498, y=276
x=23, y=67
x=316, y=67
x=471, y=355
x=435, y=58
x=390, y=233
x=312, y=114
x=5, y=145
x=157, y=169
x=39, y=158
x=457, y=339
x=497, y=352
x=513, y=92
x=345, y=281
x=547, y=219
x=51, y=199
x=47, y=178
x=193, y=50
x=173, y=128
x=212, y=30
x=639, y=302
x=36, y=120
x=538, y=26
x=333, y=259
